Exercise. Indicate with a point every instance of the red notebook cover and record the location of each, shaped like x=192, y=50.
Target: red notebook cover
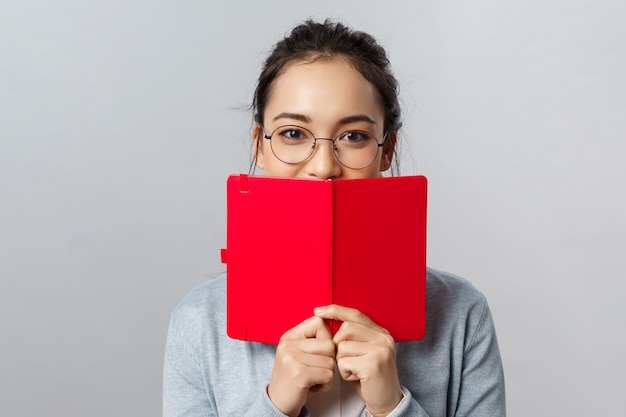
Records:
x=295, y=244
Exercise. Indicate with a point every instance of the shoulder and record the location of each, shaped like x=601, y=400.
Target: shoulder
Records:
x=447, y=287
x=454, y=304
x=201, y=309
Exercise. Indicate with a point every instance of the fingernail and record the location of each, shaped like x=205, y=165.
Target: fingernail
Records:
x=319, y=310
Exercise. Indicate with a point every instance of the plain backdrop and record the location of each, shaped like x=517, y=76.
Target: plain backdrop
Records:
x=120, y=121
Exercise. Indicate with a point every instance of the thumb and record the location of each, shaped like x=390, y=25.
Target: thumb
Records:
x=311, y=328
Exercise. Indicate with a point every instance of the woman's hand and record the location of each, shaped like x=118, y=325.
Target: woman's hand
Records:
x=366, y=354
x=305, y=362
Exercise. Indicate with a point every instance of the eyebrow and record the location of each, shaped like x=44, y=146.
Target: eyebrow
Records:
x=307, y=119
x=294, y=116
x=357, y=118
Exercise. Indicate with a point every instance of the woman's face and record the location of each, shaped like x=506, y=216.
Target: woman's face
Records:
x=327, y=98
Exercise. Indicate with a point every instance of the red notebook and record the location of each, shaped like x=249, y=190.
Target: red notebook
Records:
x=295, y=244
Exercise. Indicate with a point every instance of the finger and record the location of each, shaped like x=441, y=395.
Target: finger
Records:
x=351, y=349
x=322, y=387
x=321, y=379
x=359, y=332
x=313, y=327
x=341, y=313
x=364, y=368
x=317, y=361
x=346, y=368
x=289, y=386
x=323, y=347
x=365, y=360
x=303, y=370
x=373, y=355
x=350, y=330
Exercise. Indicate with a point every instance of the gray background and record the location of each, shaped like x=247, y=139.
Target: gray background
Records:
x=120, y=121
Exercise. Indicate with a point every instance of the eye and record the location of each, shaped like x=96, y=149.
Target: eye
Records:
x=293, y=133
x=355, y=136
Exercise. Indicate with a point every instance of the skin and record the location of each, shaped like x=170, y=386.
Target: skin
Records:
x=324, y=97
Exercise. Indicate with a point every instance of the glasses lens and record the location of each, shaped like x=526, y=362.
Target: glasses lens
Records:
x=292, y=144
x=356, y=149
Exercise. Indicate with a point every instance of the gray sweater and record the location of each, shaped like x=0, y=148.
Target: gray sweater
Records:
x=455, y=370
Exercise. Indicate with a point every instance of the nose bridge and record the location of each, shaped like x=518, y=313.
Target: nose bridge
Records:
x=323, y=164
x=332, y=142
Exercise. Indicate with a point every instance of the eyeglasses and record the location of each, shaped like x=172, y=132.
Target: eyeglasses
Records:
x=355, y=149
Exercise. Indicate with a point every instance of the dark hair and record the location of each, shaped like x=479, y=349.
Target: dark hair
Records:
x=311, y=41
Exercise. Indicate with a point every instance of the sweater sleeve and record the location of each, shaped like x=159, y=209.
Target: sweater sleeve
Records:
x=482, y=383
x=456, y=370
x=408, y=407
x=187, y=387
x=184, y=387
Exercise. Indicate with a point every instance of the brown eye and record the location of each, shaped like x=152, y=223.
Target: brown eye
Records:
x=293, y=134
x=355, y=136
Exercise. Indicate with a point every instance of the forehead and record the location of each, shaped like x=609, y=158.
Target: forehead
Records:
x=323, y=90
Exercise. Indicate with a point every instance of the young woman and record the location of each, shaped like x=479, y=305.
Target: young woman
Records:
x=330, y=87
